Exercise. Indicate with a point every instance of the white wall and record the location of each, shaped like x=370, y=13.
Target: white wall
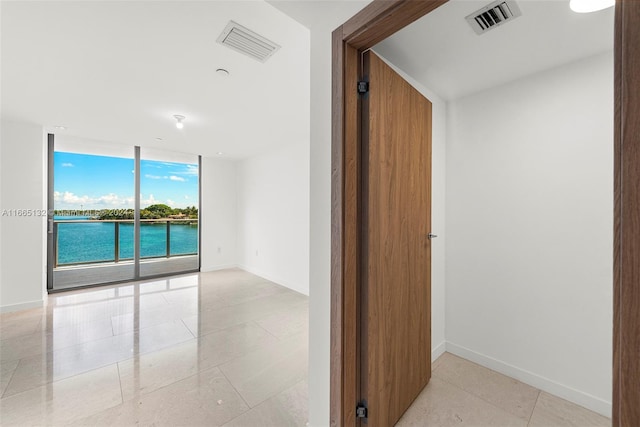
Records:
x=23, y=262
x=320, y=229
x=321, y=17
x=530, y=230
x=273, y=216
x=219, y=214
x=438, y=162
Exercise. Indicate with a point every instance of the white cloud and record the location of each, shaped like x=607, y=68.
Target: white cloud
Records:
x=185, y=169
x=66, y=200
x=69, y=200
x=67, y=165
x=111, y=200
x=149, y=201
x=169, y=177
x=192, y=170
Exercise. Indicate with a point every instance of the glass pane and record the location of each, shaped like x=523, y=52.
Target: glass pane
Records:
x=153, y=239
x=168, y=212
x=126, y=240
x=84, y=242
x=93, y=194
x=184, y=238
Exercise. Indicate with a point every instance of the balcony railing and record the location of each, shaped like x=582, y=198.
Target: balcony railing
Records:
x=87, y=246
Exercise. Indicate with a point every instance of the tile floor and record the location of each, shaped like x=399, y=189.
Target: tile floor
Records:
x=222, y=348
x=462, y=393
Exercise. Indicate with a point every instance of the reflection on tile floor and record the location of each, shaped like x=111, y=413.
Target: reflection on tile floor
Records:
x=221, y=348
x=200, y=349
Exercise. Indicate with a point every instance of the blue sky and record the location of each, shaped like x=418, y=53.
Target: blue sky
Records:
x=84, y=181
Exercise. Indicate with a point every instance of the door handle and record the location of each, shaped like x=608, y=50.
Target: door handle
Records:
x=50, y=228
x=432, y=236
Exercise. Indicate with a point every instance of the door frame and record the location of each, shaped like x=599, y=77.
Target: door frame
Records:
x=50, y=211
x=379, y=20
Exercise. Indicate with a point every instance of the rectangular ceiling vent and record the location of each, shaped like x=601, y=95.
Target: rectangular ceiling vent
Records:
x=493, y=15
x=245, y=41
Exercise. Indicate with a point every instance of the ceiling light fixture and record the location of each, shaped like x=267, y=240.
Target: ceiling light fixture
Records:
x=587, y=6
x=219, y=153
x=60, y=127
x=179, y=120
x=222, y=72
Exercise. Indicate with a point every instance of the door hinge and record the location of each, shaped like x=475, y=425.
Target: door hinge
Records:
x=361, y=410
x=363, y=87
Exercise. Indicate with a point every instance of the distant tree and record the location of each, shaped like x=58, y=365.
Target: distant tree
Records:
x=191, y=212
x=147, y=214
x=156, y=211
x=160, y=209
x=106, y=214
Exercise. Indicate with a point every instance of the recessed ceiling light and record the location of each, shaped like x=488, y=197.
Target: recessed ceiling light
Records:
x=220, y=153
x=60, y=127
x=158, y=139
x=222, y=72
x=179, y=120
x=586, y=6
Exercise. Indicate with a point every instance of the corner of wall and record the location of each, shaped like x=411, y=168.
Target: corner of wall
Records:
x=23, y=243
x=529, y=217
x=273, y=206
x=581, y=398
x=219, y=215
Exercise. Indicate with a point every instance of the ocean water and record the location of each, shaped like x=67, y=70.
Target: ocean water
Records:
x=94, y=241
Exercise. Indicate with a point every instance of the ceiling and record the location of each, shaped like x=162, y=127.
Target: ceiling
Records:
x=118, y=71
x=325, y=15
x=442, y=52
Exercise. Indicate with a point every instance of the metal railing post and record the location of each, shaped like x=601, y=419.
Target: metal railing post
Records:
x=168, y=239
x=55, y=243
x=116, y=245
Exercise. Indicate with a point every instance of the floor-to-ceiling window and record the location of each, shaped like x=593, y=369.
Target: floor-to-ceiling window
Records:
x=120, y=213
x=168, y=212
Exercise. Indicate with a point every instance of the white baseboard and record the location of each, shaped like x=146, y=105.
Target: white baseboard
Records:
x=218, y=267
x=586, y=400
x=274, y=279
x=438, y=351
x=22, y=306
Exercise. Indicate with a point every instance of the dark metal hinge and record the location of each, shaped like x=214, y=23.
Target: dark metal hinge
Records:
x=361, y=410
x=363, y=87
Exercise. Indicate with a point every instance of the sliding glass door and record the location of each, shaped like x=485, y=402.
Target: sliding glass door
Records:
x=169, y=219
x=93, y=203
x=117, y=216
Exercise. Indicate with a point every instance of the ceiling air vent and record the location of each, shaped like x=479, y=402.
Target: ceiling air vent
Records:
x=245, y=41
x=493, y=15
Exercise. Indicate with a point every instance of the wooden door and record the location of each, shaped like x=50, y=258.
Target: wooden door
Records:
x=395, y=327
